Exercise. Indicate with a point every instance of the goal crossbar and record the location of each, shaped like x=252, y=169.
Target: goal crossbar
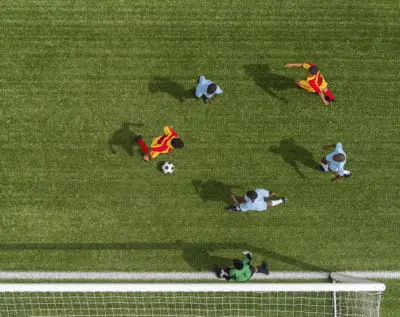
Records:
x=192, y=287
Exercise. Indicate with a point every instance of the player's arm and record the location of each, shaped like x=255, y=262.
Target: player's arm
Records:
x=247, y=257
x=168, y=130
x=318, y=91
x=324, y=101
x=263, y=192
x=290, y=65
x=329, y=146
x=211, y=100
x=246, y=206
x=232, y=197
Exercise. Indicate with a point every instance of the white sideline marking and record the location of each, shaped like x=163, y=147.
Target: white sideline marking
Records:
x=142, y=276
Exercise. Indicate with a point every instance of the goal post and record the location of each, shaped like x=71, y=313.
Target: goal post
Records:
x=341, y=298
x=368, y=302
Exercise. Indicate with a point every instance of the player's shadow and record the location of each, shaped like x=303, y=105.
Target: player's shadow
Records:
x=198, y=255
x=124, y=138
x=169, y=86
x=213, y=190
x=294, y=155
x=200, y=258
x=270, y=82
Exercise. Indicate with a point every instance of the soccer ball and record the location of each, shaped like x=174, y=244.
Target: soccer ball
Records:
x=167, y=168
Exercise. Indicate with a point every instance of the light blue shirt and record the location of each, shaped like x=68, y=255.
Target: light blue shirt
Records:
x=259, y=203
x=334, y=166
x=201, y=89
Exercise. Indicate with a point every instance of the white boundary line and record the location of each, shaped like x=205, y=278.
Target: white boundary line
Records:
x=175, y=276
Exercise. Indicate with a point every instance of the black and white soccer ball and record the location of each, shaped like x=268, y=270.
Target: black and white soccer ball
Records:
x=167, y=168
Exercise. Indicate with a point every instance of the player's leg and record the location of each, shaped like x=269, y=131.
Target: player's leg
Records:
x=141, y=143
x=347, y=173
x=276, y=202
x=328, y=93
x=263, y=268
x=303, y=84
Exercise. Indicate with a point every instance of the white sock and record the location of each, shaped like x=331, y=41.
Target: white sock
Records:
x=346, y=172
x=276, y=202
x=325, y=167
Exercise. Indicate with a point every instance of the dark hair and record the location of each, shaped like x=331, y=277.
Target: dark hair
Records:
x=177, y=143
x=339, y=157
x=237, y=264
x=313, y=70
x=251, y=194
x=211, y=88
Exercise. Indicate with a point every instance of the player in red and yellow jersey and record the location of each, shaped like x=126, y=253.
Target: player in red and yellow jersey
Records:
x=314, y=82
x=160, y=145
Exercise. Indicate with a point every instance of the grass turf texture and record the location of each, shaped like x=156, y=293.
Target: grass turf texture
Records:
x=73, y=72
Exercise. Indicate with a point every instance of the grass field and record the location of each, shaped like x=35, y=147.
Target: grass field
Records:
x=73, y=72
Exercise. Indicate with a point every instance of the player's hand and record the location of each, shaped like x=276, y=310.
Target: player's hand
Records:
x=326, y=103
x=248, y=254
x=288, y=65
x=146, y=157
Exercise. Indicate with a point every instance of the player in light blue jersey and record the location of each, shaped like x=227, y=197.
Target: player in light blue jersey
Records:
x=335, y=161
x=206, y=89
x=254, y=200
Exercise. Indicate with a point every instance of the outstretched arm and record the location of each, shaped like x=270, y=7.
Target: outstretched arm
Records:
x=328, y=147
x=232, y=197
x=322, y=96
x=290, y=65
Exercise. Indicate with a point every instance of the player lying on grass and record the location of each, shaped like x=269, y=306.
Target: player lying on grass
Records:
x=160, y=145
x=206, y=89
x=315, y=82
x=254, y=200
x=242, y=270
x=335, y=161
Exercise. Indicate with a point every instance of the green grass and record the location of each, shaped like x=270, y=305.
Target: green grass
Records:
x=73, y=71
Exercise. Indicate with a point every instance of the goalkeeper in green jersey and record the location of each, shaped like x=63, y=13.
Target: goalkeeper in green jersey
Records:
x=242, y=270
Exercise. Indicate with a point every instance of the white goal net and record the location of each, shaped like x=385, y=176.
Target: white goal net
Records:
x=346, y=297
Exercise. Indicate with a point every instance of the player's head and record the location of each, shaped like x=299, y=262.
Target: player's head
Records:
x=313, y=70
x=212, y=88
x=252, y=195
x=177, y=143
x=339, y=157
x=237, y=264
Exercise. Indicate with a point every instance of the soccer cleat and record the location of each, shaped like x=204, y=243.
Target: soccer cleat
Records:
x=348, y=175
x=284, y=200
x=233, y=208
x=137, y=138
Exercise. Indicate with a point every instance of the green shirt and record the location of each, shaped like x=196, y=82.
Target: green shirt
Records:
x=244, y=274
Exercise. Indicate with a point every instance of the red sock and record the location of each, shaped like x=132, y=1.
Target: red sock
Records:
x=329, y=94
x=142, y=145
